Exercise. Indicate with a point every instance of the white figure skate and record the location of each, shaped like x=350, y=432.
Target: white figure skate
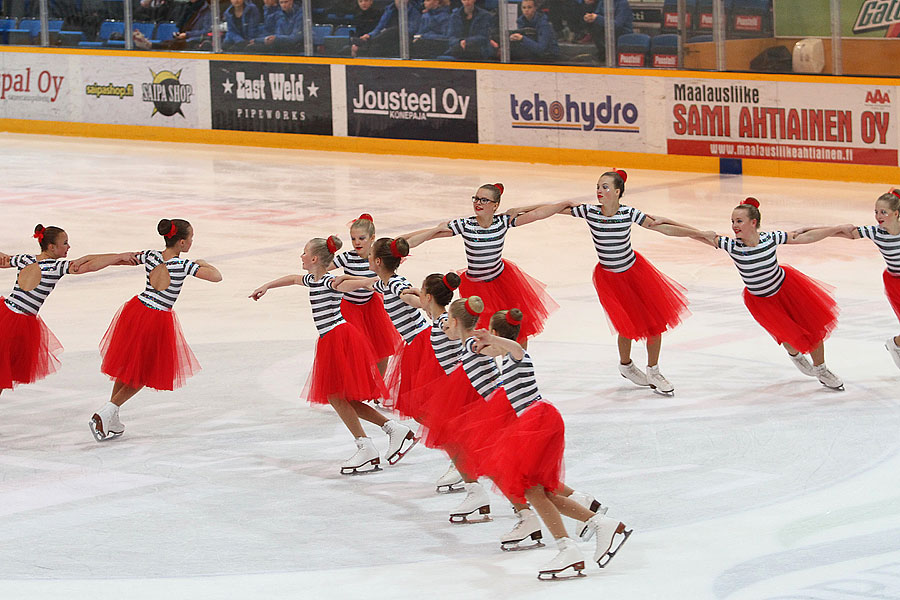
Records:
x=528, y=527
x=366, y=459
x=590, y=503
x=803, y=365
x=633, y=374
x=611, y=534
x=893, y=350
x=401, y=439
x=450, y=482
x=827, y=378
x=568, y=564
x=658, y=382
x=476, y=508
x=105, y=423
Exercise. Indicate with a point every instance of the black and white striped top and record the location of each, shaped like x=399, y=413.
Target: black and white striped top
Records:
x=178, y=268
x=354, y=264
x=480, y=369
x=758, y=265
x=325, y=302
x=611, y=235
x=446, y=351
x=29, y=303
x=519, y=382
x=407, y=320
x=888, y=244
x=484, y=245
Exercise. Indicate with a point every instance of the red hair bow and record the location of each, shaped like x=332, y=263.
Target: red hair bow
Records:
x=751, y=202
x=394, y=251
x=447, y=283
x=366, y=217
x=512, y=320
x=621, y=174
x=499, y=186
x=39, y=234
x=471, y=310
x=896, y=193
x=172, y=231
x=329, y=243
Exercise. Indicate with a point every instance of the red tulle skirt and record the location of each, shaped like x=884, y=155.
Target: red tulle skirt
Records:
x=344, y=367
x=454, y=397
x=641, y=303
x=144, y=347
x=28, y=349
x=475, y=431
x=373, y=322
x=529, y=452
x=410, y=374
x=802, y=313
x=892, y=291
x=513, y=288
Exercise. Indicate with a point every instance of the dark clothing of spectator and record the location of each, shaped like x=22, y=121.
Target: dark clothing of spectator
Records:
x=477, y=32
x=269, y=21
x=538, y=40
x=431, y=39
x=384, y=40
x=623, y=22
x=289, y=29
x=241, y=29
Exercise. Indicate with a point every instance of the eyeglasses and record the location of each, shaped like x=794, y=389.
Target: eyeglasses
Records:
x=478, y=200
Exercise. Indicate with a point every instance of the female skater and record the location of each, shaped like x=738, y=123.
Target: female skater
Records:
x=28, y=349
x=525, y=458
x=640, y=302
x=498, y=281
x=144, y=345
x=344, y=372
x=797, y=311
x=363, y=308
x=886, y=236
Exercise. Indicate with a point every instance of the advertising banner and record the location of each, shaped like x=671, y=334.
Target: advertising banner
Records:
x=859, y=18
x=563, y=110
x=144, y=91
x=844, y=124
x=36, y=86
x=412, y=104
x=275, y=97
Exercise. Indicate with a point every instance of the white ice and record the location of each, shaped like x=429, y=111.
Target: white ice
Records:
x=752, y=482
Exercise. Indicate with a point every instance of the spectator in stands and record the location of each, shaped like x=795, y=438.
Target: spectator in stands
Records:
x=364, y=15
x=384, y=40
x=567, y=18
x=271, y=12
x=194, y=30
x=242, y=19
x=534, y=38
x=471, y=33
x=431, y=39
x=597, y=24
x=288, y=36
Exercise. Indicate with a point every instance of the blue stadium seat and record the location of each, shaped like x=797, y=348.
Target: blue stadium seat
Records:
x=145, y=28
x=750, y=18
x=664, y=51
x=5, y=26
x=633, y=50
x=670, y=15
x=344, y=31
x=319, y=33
x=705, y=15
x=165, y=31
x=107, y=28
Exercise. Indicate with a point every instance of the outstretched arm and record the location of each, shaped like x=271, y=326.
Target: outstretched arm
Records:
x=812, y=234
x=280, y=282
x=423, y=235
x=675, y=229
x=542, y=211
x=564, y=210
x=95, y=262
x=208, y=272
x=494, y=345
x=348, y=283
x=411, y=296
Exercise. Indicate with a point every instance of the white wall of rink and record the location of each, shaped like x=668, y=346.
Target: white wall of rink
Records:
x=546, y=114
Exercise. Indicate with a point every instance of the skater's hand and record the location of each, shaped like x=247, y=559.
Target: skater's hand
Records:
x=411, y=291
x=130, y=258
x=76, y=265
x=259, y=292
x=4, y=260
x=483, y=338
x=793, y=234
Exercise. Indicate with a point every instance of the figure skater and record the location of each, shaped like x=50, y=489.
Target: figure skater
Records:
x=28, y=349
x=498, y=281
x=362, y=307
x=344, y=372
x=797, y=311
x=144, y=345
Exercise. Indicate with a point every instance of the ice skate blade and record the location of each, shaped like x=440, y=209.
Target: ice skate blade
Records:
x=518, y=547
x=670, y=393
x=453, y=488
x=395, y=458
x=96, y=425
x=839, y=388
x=626, y=533
x=356, y=470
x=463, y=519
x=560, y=574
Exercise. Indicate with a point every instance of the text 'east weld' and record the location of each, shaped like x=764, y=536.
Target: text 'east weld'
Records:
x=281, y=87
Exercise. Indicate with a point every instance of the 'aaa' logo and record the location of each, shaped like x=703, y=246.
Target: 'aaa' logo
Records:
x=167, y=93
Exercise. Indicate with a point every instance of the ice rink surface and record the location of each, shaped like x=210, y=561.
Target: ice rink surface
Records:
x=752, y=482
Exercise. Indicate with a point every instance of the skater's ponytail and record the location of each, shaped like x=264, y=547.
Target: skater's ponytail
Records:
x=751, y=205
x=390, y=251
x=173, y=230
x=892, y=199
x=467, y=311
x=619, y=177
x=441, y=287
x=364, y=223
x=325, y=248
x=507, y=323
x=46, y=235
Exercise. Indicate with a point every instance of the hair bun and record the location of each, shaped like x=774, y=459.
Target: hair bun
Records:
x=499, y=186
x=621, y=174
x=365, y=217
x=331, y=244
x=895, y=192
x=751, y=202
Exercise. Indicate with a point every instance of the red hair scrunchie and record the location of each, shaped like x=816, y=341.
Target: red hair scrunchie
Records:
x=512, y=320
x=366, y=217
x=896, y=193
x=172, y=231
x=751, y=202
x=447, y=283
x=471, y=310
x=621, y=174
x=39, y=234
x=329, y=243
x=499, y=186
x=394, y=251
